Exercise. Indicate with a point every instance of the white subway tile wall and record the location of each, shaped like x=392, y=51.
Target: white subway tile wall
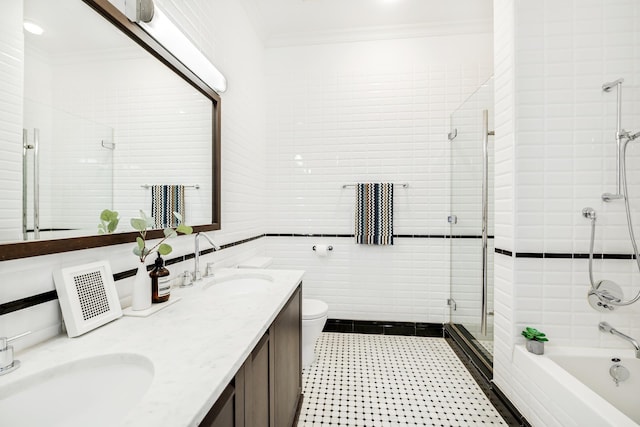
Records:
x=11, y=65
x=374, y=111
x=551, y=61
x=409, y=283
x=504, y=80
x=223, y=32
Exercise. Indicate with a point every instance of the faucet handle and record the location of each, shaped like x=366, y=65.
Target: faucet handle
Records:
x=187, y=279
x=4, y=341
x=605, y=327
x=209, y=271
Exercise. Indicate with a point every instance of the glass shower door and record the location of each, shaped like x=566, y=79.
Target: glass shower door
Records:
x=471, y=222
x=62, y=153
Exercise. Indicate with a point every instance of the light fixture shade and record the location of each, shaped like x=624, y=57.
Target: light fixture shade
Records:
x=165, y=32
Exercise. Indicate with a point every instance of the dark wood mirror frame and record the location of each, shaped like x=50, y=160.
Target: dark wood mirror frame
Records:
x=45, y=247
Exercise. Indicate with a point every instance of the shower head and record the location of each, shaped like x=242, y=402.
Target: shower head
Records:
x=589, y=213
x=610, y=85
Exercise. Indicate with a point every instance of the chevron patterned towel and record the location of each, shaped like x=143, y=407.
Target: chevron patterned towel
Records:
x=374, y=214
x=165, y=200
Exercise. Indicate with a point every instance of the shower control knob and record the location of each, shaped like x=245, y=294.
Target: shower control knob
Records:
x=589, y=213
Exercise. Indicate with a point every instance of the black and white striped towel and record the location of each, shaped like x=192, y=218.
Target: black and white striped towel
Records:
x=165, y=200
x=374, y=213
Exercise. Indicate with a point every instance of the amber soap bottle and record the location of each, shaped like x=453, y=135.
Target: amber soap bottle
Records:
x=160, y=286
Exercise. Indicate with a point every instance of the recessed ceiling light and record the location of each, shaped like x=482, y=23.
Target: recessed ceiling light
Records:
x=33, y=28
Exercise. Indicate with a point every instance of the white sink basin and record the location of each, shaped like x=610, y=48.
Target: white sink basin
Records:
x=241, y=284
x=97, y=391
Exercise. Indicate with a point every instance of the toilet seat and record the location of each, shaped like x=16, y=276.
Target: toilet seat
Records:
x=314, y=309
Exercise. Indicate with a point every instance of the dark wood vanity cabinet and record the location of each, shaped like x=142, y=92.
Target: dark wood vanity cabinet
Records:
x=225, y=411
x=267, y=389
x=286, y=336
x=257, y=385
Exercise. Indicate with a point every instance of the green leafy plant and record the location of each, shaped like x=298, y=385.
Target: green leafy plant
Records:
x=144, y=223
x=534, y=335
x=108, y=222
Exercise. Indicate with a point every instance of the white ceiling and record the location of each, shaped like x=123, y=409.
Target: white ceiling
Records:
x=280, y=20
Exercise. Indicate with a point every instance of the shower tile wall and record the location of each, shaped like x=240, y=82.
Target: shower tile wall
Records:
x=359, y=112
x=504, y=328
x=559, y=159
x=211, y=25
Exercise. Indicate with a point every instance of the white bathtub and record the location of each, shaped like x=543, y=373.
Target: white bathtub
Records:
x=574, y=385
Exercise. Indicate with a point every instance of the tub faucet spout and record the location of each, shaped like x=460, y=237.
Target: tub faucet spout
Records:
x=605, y=327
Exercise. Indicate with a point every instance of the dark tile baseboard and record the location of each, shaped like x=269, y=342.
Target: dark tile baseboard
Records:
x=384, y=328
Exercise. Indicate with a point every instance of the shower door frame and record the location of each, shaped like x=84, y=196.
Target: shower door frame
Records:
x=458, y=332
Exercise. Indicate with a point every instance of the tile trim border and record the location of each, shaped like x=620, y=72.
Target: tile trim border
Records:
x=21, y=304
x=563, y=255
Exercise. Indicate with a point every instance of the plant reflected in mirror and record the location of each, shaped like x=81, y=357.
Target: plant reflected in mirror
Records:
x=108, y=222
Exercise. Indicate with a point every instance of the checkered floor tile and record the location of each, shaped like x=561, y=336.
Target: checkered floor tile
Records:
x=383, y=380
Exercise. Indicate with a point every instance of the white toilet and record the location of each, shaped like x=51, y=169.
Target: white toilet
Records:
x=314, y=314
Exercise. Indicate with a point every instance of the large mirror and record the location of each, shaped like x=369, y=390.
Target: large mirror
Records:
x=101, y=115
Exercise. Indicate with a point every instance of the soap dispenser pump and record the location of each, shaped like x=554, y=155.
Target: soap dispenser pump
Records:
x=160, y=289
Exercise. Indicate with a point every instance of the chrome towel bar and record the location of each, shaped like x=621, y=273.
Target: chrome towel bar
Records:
x=196, y=186
x=403, y=184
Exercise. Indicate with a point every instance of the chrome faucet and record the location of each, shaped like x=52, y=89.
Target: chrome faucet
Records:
x=196, y=269
x=7, y=362
x=605, y=327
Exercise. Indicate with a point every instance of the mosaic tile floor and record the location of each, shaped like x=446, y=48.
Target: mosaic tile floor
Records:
x=383, y=380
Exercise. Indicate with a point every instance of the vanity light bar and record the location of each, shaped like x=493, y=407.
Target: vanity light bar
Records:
x=169, y=35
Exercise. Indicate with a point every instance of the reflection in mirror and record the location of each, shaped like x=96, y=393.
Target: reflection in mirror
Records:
x=102, y=120
x=83, y=154
x=110, y=119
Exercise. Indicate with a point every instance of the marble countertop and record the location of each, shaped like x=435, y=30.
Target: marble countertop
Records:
x=196, y=345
